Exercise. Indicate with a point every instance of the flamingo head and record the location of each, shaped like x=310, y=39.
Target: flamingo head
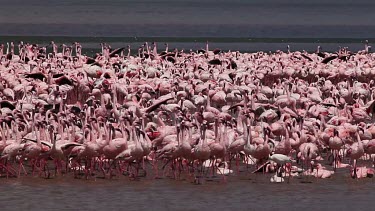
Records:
x=335, y=132
x=153, y=134
x=370, y=172
x=348, y=152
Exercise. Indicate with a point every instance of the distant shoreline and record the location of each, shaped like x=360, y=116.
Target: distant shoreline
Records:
x=91, y=44
x=179, y=39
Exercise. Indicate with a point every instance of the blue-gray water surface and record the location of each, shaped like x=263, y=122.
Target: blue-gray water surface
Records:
x=171, y=18
x=239, y=193
x=235, y=24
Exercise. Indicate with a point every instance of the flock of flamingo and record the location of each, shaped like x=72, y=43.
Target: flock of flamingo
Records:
x=198, y=113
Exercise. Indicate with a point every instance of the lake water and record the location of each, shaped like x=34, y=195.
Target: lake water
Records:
x=241, y=191
x=248, y=192
x=236, y=24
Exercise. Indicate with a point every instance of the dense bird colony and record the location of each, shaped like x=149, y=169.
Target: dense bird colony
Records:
x=195, y=114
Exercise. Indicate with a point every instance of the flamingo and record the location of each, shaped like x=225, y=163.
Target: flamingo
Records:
x=188, y=107
x=335, y=143
x=202, y=151
x=355, y=152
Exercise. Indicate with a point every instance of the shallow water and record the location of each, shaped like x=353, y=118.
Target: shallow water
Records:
x=247, y=191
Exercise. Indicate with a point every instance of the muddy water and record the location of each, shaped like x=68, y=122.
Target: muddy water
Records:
x=244, y=192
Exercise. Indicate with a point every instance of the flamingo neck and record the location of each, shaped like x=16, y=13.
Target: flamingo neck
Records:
x=38, y=142
x=203, y=137
x=159, y=120
x=225, y=135
x=3, y=134
x=217, y=131
x=250, y=137
x=178, y=136
x=287, y=140
x=110, y=134
x=53, y=139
